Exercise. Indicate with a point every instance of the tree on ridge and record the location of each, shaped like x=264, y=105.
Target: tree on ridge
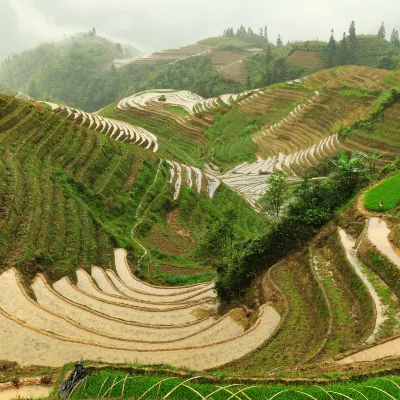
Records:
x=394, y=38
x=382, y=31
x=352, y=42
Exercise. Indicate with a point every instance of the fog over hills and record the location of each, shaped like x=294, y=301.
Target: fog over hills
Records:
x=150, y=25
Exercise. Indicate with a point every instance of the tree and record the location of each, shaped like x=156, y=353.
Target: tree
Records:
x=261, y=34
x=370, y=159
x=275, y=196
x=352, y=42
x=343, y=50
x=119, y=48
x=350, y=168
x=248, y=82
x=386, y=62
x=279, y=42
x=394, y=38
x=266, y=33
x=382, y=31
x=217, y=245
x=331, y=52
x=268, y=54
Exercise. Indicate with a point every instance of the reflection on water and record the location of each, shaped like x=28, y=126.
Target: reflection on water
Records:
x=26, y=392
x=378, y=235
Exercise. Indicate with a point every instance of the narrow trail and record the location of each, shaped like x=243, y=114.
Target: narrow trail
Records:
x=348, y=244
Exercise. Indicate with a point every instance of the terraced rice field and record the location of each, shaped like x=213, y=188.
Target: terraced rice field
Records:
x=67, y=320
x=119, y=384
x=182, y=176
x=388, y=191
x=231, y=65
x=118, y=130
x=305, y=58
x=169, y=56
x=191, y=102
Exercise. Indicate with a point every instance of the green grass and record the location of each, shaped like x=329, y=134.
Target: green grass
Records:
x=117, y=384
x=388, y=191
x=178, y=110
x=231, y=138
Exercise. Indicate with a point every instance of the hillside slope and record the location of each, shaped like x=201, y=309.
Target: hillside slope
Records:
x=69, y=195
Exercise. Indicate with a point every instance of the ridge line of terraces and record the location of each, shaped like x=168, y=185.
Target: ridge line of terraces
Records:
x=115, y=129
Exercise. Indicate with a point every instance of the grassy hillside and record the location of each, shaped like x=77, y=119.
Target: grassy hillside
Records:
x=68, y=196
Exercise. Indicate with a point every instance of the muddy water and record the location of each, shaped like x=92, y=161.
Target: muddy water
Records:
x=27, y=347
x=388, y=349
x=26, y=392
x=111, y=327
x=16, y=304
x=349, y=245
x=378, y=235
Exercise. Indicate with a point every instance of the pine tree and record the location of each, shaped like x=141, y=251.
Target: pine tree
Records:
x=331, y=54
x=268, y=54
x=261, y=34
x=343, y=51
x=394, y=38
x=382, y=31
x=266, y=33
x=279, y=42
x=352, y=43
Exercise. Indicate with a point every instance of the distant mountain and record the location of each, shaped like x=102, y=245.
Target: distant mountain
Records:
x=51, y=69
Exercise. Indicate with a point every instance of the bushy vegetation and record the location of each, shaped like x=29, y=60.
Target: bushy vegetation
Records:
x=388, y=192
x=313, y=204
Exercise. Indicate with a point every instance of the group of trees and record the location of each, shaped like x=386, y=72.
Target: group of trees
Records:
x=249, y=33
x=394, y=37
x=243, y=33
x=344, y=52
x=292, y=222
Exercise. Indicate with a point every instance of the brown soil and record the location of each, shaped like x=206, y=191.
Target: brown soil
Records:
x=159, y=241
x=177, y=231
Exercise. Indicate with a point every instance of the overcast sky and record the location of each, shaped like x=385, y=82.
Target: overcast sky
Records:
x=159, y=24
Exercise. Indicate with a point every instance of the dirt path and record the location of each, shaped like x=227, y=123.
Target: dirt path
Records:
x=348, y=244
